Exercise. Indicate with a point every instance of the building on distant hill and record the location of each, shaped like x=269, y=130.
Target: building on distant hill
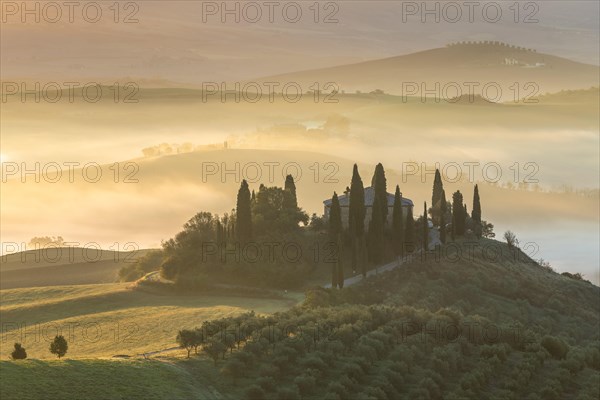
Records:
x=344, y=199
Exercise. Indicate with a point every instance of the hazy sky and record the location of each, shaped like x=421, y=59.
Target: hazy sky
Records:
x=170, y=40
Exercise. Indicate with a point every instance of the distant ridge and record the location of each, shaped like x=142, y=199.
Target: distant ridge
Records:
x=463, y=63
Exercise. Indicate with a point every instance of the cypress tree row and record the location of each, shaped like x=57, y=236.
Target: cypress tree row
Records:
x=398, y=224
x=476, y=210
x=356, y=220
x=335, y=235
x=243, y=214
x=436, y=198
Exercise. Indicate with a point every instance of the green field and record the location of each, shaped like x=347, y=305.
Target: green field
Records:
x=109, y=319
x=101, y=379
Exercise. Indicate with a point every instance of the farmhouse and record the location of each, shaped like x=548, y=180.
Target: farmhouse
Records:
x=344, y=199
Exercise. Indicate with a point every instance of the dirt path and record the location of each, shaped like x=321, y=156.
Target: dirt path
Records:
x=387, y=267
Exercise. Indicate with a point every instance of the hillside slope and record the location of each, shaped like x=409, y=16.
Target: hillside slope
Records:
x=63, y=266
x=479, y=320
x=476, y=320
x=480, y=63
x=107, y=319
x=105, y=379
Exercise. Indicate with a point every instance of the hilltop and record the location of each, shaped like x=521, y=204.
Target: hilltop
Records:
x=176, y=188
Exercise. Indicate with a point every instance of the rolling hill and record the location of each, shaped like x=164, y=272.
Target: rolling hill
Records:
x=55, y=266
x=480, y=63
x=459, y=325
x=109, y=319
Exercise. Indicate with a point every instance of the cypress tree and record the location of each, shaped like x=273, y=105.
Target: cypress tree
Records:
x=357, y=204
x=376, y=233
x=244, y=215
x=219, y=232
x=356, y=218
x=436, y=198
x=443, y=210
x=335, y=217
x=398, y=224
x=409, y=234
x=363, y=255
x=290, y=200
x=476, y=210
x=335, y=233
x=339, y=265
x=458, y=217
x=379, y=184
x=425, y=228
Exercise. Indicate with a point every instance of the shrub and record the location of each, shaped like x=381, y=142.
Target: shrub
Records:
x=511, y=239
x=332, y=396
x=353, y=371
x=288, y=394
x=338, y=389
x=266, y=382
x=305, y=384
x=555, y=346
x=19, y=352
x=59, y=346
x=269, y=371
x=313, y=361
x=254, y=392
x=234, y=368
x=316, y=298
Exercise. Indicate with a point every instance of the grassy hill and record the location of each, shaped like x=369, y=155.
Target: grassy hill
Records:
x=63, y=266
x=457, y=325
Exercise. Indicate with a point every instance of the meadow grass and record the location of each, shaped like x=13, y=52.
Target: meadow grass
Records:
x=108, y=319
x=98, y=379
